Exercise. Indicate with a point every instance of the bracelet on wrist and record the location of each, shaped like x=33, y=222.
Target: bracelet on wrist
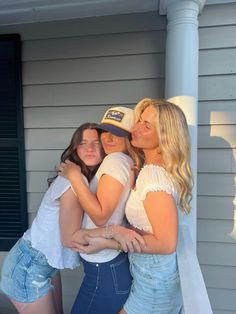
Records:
x=119, y=247
x=109, y=232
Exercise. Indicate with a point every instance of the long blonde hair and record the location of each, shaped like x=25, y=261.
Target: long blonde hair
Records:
x=135, y=155
x=174, y=145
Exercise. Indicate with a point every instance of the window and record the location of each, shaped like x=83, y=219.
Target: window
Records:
x=13, y=205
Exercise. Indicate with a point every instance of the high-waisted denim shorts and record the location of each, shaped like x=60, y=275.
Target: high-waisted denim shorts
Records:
x=156, y=285
x=105, y=287
x=26, y=274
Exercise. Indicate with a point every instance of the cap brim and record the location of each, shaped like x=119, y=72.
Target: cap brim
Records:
x=113, y=129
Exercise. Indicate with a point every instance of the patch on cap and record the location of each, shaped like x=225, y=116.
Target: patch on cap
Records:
x=118, y=121
x=114, y=115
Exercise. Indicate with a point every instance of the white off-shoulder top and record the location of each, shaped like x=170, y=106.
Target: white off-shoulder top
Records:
x=152, y=178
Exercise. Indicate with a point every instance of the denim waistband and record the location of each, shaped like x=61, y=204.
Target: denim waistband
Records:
x=115, y=260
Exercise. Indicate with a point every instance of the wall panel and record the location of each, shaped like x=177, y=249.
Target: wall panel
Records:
x=92, y=93
x=216, y=226
x=151, y=66
x=94, y=46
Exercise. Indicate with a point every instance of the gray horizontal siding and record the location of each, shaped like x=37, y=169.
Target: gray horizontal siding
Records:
x=47, y=139
x=210, y=87
x=224, y=277
x=93, y=46
x=215, y=37
x=34, y=200
x=218, y=184
x=60, y=117
x=150, y=66
x=42, y=160
x=228, y=295
x=215, y=207
x=216, y=160
x=216, y=226
x=218, y=15
x=217, y=254
x=223, y=298
x=92, y=93
x=217, y=136
x=223, y=108
x=212, y=63
x=215, y=230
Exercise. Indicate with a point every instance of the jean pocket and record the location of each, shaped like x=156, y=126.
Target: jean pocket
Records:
x=121, y=276
x=39, y=267
x=173, y=280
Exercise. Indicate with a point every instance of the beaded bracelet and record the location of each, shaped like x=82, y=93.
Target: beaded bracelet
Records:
x=109, y=232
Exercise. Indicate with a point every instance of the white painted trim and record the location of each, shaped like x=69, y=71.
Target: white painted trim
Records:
x=182, y=74
x=182, y=50
x=195, y=297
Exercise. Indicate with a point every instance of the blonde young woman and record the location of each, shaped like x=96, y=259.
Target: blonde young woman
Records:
x=163, y=185
x=107, y=280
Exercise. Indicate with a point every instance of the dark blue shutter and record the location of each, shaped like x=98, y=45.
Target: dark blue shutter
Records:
x=13, y=208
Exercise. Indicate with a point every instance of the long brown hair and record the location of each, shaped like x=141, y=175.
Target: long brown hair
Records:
x=71, y=154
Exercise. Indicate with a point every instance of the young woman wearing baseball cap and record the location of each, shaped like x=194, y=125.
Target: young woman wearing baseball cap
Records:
x=107, y=281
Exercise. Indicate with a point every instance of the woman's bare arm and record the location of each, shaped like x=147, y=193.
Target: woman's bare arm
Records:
x=99, y=207
x=70, y=218
x=162, y=214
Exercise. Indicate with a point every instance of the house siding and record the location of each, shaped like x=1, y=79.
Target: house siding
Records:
x=73, y=70
x=216, y=225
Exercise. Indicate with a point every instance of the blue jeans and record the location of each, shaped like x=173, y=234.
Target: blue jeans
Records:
x=105, y=287
x=156, y=285
x=26, y=274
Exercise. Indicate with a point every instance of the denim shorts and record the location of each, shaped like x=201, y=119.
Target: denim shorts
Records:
x=26, y=274
x=156, y=285
x=105, y=287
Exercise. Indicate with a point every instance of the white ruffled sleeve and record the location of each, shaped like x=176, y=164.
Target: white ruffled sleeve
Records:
x=153, y=178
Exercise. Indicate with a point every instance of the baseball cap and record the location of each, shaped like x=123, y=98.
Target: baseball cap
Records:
x=118, y=121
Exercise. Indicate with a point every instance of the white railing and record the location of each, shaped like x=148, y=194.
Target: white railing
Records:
x=195, y=297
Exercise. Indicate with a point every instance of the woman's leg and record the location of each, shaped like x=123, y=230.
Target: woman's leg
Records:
x=105, y=287
x=51, y=303
x=44, y=305
x=87, y=289
x=26, y=277
x=57, y=292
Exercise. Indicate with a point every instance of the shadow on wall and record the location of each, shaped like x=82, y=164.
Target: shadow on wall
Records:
x=223, y=130
x=217, y=205
x=216, y=168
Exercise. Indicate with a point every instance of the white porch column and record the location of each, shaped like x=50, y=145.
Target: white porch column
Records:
x=181, y=78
